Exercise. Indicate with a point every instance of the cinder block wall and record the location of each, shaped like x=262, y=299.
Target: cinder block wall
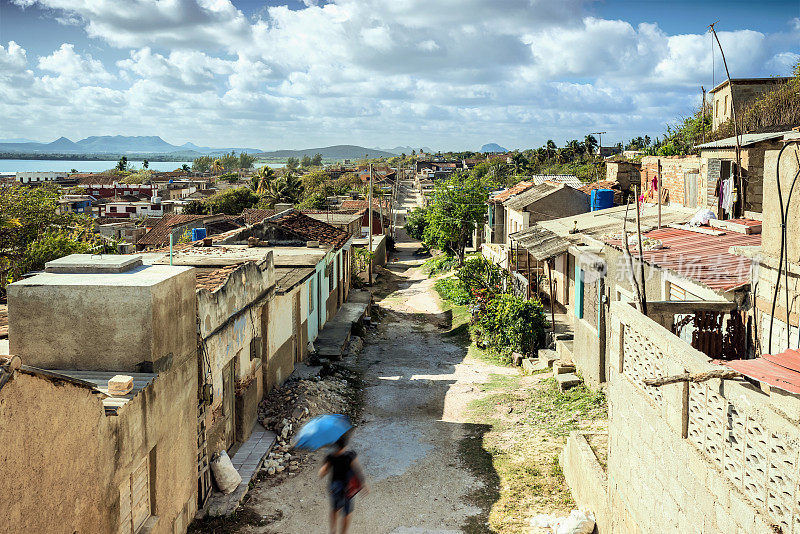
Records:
x=673, y=170
x=718, y=456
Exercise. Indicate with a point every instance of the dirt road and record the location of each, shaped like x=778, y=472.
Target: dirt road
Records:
x=417, y=384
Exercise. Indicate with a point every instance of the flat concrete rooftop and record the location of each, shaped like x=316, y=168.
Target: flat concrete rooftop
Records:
x=214, y=256
x=142, y=276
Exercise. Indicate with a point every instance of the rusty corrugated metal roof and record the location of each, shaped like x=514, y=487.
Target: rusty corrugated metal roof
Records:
x=700, y=257
x=777, y=370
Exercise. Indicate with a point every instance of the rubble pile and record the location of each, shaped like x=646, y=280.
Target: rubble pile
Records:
x=286, y=408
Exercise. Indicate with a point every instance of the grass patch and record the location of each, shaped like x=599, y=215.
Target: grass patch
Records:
x=528, y=419
x=452, y=289
x=561, y=413
x=439, y=264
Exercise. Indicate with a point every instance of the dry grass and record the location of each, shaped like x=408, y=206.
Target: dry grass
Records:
x=528, y=420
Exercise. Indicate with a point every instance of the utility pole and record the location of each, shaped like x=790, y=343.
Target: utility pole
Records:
x=703, y=113
x=659, y=193
x=369, y=223
x=739, y=183
x=599, y=142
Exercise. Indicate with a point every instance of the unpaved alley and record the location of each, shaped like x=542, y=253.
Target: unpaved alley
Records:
x=416, y=387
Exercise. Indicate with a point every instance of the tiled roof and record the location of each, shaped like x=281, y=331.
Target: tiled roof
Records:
x=213, y=279
x=568, y=179
x=700, y=257
x=159, y=234
x=95, y=179
x=3, y=320
x=604, y=184
x=288, y=277
x=254, y=215
x=310, y=229
x=362, y=204
x=515, y=189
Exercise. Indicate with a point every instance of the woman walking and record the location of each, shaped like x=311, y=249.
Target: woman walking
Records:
x=347, y=479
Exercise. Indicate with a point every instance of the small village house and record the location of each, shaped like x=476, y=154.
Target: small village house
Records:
x=739, y=92
x=96, y=461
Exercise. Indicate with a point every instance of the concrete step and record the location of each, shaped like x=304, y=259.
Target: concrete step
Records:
x=547, y=355
x=532, y=365
x=562, y=368
x=567, y=381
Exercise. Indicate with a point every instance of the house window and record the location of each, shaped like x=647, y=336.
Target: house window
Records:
x=725, y=107
x=112, y=209
x=131, y=209
x=311, y=292
x=716, y=104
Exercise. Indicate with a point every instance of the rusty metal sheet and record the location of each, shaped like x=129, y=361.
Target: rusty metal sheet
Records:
x=768, y=373
x=788, y=360
x=700, y=257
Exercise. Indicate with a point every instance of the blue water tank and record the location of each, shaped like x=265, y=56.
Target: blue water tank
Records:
x=602, y=199
x=198, y=234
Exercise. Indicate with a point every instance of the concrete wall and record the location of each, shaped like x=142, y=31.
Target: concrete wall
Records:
x=587, y=479
x=110, y=322
x=232, y=320
x=673, y=174
x=766, y=276
x=715, y=456
x=562, y=203
x=626, y=173
x=63, y=460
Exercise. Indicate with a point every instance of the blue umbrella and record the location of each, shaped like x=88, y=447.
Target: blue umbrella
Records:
x=321, y=431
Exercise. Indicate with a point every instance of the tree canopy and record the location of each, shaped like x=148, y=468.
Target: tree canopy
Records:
x=457, y=207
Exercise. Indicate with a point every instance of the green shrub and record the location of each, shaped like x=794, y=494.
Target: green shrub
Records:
x=512, y=323
x=440, y=264
x=452, y=290
x=416, y=223
x=481, y=277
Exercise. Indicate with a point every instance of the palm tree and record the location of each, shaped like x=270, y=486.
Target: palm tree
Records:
x=590, y=142
x=550, y=147
x=217, y=167
x=264, y=176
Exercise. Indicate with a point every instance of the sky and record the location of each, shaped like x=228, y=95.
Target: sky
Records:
x=446, y=74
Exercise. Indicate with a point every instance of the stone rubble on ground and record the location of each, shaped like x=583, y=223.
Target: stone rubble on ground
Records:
x=289, y=406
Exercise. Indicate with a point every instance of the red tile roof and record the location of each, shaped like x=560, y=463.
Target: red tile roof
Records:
x=362, y=204
x=310, y=229
x=700, y=257
x=254, y=215
x=96, y=179
x=159, y=234
x=213, y=279
x=505, y=194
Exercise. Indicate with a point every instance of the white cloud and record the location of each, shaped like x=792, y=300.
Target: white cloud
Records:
x=458, y=71
x=12, y=58
x=72, y=67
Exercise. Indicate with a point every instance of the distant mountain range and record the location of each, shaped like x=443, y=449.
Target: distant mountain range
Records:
x=332, y=152
x=492, y=147
x=405, y=150
x=153, y=144
x=112, y=144
x=17, y=140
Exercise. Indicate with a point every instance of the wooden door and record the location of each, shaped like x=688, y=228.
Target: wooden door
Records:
x=134, y=499
x=229, y=403
x=690, y=190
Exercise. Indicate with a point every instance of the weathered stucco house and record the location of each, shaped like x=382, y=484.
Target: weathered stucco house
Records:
x=540, y=203
x=739, y=92
x=74, y=458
